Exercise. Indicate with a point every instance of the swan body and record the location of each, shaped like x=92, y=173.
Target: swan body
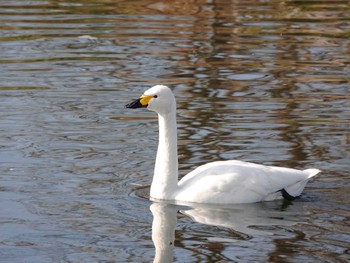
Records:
x=219, y=182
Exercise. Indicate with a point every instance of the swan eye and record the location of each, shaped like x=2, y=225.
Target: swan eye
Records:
x=155, y=96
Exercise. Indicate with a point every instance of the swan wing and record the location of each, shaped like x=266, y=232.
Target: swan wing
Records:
x=240, y=182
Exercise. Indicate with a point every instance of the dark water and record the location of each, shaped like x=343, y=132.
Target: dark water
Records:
x=261, y=81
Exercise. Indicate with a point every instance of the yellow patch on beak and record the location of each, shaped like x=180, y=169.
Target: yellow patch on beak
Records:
x=144, y=100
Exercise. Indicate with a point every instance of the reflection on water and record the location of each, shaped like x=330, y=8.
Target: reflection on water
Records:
x=163, y=231
x=261, y=81
x=237, y=225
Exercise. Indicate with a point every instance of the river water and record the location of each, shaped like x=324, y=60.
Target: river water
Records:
x=261, y=81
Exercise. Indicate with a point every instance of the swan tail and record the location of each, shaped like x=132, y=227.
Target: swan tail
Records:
x=293, y=191
x=312, y=172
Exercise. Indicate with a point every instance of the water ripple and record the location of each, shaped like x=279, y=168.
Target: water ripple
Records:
x=259, y=81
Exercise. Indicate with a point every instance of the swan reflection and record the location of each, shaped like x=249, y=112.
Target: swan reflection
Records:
x=163, y=230
x=247, y=220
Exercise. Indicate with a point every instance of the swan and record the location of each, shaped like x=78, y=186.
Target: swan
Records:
x=218, y=182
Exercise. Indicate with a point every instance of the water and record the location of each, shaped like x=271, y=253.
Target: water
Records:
x=261, y=81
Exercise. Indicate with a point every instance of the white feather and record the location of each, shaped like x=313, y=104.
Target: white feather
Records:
x=220, y=182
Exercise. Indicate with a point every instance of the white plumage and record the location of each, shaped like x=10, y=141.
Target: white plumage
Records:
x=220, y=182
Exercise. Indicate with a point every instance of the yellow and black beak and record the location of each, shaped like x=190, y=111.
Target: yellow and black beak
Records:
x=142, y=102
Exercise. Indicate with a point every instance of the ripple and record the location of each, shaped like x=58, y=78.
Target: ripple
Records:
x=256, y=81
x=248, y=76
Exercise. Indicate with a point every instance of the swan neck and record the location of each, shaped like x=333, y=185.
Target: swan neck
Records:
x=165, y=177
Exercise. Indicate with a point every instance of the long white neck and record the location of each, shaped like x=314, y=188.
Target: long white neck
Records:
x=165, y=176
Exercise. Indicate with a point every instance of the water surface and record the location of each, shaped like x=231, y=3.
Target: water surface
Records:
x=260, y=81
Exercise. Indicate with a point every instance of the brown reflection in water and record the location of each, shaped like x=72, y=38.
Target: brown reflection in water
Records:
x=293, y=53
x=285, y=248
x=233, y=64
x=270, y=40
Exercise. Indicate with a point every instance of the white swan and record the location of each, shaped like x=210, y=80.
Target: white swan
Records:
x=220, y=182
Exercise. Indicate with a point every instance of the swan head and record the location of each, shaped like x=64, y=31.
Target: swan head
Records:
x=159, y=99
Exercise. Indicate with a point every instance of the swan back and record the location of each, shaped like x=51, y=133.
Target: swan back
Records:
x=241, y=182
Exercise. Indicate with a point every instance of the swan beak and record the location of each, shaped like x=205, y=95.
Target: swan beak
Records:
x=142, y=102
